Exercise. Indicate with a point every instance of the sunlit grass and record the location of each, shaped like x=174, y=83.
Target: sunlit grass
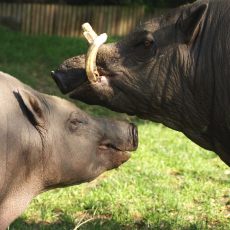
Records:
x=169, y=183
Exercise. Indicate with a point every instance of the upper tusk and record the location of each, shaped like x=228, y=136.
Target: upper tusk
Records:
x=95, y=42
x=91, y=68
x=88, y=32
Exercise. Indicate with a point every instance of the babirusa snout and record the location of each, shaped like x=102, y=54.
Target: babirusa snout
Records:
x=95, y=42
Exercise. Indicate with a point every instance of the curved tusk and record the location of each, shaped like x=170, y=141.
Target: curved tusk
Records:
x=95, y=42
x=91, y=68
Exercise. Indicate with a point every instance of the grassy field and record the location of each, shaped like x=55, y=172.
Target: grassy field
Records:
x=169, y=183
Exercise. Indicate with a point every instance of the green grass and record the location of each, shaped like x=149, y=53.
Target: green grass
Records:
x=169, y=183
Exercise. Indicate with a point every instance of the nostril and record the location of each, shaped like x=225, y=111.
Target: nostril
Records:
x=134, y=135
x=56, y=76
x=52, y=73
x=60, y=80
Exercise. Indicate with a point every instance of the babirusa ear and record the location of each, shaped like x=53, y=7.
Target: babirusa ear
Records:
x=34, y=110
x=189, y=21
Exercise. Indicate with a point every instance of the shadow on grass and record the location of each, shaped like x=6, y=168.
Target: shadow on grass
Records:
x=21, y=224
x=95, y=224
x=100, y=224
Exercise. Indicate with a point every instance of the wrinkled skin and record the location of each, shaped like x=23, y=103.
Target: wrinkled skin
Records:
x=47, y=142
x=174, y=69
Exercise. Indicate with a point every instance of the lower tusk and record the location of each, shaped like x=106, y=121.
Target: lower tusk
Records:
x=95, y=42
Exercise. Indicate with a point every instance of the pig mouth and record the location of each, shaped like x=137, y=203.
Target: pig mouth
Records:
x=115, y=155
x=112, y=149
x=120, y=153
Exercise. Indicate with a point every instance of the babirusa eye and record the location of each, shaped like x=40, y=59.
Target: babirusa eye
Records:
x=148, y=43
